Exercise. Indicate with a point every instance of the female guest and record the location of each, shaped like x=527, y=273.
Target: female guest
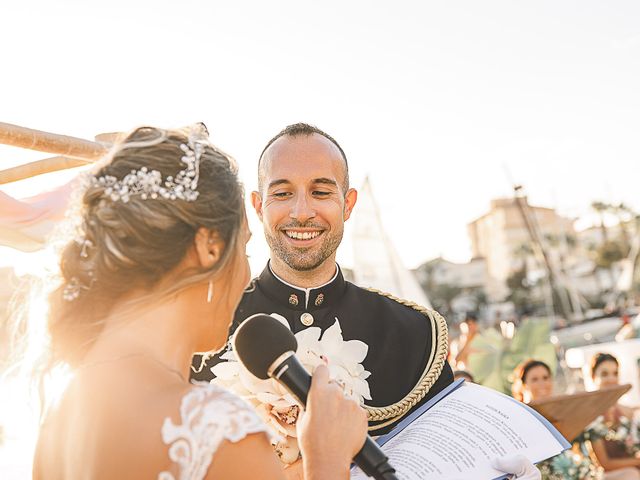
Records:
x=533, y=380
x=155, y=273
x=615, y=452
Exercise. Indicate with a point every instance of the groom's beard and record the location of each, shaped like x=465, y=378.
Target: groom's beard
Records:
x=304, y=258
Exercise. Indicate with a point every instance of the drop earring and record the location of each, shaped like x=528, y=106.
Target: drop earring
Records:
x=210, y=291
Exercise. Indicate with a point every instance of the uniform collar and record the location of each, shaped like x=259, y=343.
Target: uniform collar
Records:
x=297, y=298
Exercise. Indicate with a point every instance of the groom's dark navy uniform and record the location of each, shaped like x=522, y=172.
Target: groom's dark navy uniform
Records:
x=303, y=201
x=401, y=340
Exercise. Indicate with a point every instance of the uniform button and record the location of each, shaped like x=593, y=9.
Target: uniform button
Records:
x=306, y=319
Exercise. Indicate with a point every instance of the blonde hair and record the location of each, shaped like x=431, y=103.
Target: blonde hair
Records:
x=130, y=245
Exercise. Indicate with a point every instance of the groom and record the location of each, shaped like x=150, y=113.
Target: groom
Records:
x=303, y=200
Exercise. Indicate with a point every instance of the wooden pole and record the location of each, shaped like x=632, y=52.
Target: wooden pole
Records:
x=50, y=142
x=39, y=167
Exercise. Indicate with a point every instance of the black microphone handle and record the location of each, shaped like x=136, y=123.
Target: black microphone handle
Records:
x=374, y=462
x=294, y=377
x=371, y=459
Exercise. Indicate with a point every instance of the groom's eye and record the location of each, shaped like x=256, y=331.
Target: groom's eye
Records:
x=280, y=194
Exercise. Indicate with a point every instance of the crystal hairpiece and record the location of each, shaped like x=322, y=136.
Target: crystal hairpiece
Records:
x=149, y=184
x=73, y=288
x=85, y=244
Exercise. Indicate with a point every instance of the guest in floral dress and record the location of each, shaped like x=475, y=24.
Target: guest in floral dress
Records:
x=533, y=380
x=618, y=450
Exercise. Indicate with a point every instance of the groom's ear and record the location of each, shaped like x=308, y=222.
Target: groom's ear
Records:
x=256, y=201
x=350, y=200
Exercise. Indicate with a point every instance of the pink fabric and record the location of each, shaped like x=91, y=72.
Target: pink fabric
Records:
x=26, y=223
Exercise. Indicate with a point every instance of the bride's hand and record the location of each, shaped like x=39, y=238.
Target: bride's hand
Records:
x=294, y=471
x=332, y=430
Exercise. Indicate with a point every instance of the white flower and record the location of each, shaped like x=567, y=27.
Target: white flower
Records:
x=277, y=407
x=343, y=358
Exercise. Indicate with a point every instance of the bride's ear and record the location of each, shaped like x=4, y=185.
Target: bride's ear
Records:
x=209, y=247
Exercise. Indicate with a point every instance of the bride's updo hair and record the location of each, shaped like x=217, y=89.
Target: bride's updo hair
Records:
x=137, y=218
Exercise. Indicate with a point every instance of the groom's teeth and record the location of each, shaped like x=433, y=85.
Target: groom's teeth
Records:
x=302, y=235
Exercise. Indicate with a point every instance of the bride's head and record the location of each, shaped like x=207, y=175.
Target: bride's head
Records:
x=162, y=217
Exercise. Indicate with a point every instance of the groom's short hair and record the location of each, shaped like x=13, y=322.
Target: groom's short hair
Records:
x=298, y=130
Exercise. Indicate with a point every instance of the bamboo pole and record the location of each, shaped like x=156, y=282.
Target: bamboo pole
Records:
x=74, y=152
x=39, y=167
x=50, y=142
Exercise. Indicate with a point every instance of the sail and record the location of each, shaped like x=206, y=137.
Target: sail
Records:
x=376, y=263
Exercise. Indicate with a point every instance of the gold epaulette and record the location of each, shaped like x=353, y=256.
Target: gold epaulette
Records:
x=437, y=358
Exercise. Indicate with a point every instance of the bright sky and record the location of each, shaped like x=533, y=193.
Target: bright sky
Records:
x=435, y=101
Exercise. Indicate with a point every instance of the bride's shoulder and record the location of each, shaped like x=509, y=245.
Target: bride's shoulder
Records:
x=212, y=408
x=207, y=416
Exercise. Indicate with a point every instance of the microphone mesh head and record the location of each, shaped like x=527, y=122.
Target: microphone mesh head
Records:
x=260, y=340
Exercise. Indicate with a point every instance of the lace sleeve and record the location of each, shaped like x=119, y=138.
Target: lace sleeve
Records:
x=208, y=415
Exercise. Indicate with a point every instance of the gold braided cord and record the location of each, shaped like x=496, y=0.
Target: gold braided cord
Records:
x=432, y=370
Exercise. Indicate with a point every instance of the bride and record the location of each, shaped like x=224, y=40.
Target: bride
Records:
x=155, y=274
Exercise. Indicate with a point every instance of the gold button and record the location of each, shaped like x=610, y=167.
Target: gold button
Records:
x=306, y=319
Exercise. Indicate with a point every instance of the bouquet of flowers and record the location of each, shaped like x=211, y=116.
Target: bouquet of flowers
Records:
x=274, y=404
x=569, y=465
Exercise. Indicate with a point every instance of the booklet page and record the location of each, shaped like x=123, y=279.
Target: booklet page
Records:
x=459, y=436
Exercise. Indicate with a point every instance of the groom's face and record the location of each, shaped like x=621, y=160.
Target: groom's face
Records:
x=302, y=204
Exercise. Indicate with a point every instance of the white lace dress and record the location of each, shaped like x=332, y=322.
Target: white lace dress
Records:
x=208, y=415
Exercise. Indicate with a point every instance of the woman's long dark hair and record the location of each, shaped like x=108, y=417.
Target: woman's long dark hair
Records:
x=520, y=376
x=600, y=358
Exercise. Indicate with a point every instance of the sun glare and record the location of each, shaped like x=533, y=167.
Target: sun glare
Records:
x=20, y=405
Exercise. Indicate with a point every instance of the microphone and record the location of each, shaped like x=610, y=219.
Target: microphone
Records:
x=267, y=349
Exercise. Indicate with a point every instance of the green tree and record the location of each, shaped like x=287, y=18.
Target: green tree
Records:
x=442, y=296
x=520, y=291
x=481, y=299
x=609, y=252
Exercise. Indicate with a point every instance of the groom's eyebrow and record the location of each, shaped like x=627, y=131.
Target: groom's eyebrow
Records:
x=280, y=181
x=321, y=180
x=325, y=181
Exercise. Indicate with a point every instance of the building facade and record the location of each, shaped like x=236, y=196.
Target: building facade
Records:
x=502, y=238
